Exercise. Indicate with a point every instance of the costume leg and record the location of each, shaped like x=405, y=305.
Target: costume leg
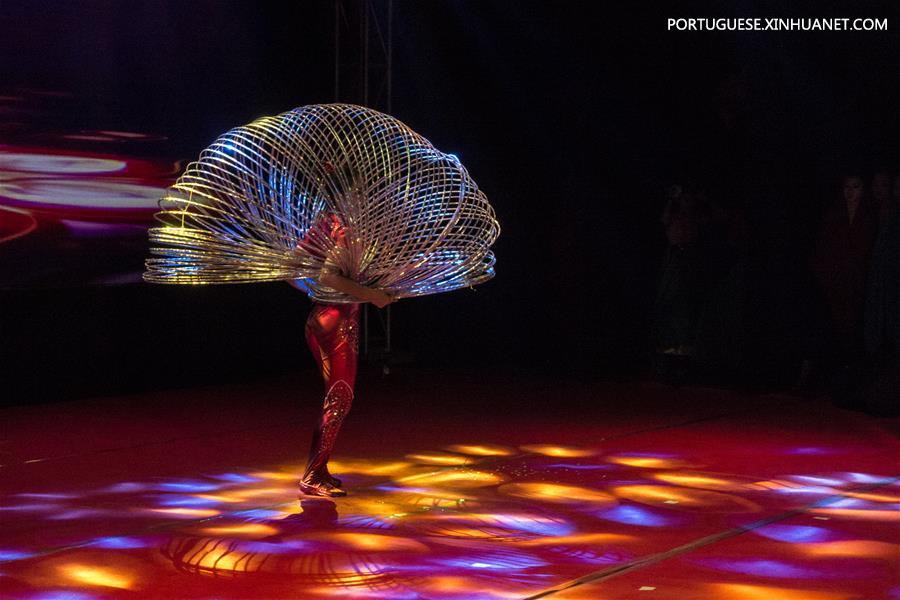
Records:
x=331, y=332
x=337, y=405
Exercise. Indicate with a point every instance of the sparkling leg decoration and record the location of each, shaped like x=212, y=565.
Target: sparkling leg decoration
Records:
x=331, y=332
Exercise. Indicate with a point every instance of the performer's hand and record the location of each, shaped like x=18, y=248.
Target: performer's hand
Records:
x=379, y=298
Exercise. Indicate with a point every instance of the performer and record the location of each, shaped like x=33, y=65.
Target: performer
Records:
x=345, y=203
x=332, y=337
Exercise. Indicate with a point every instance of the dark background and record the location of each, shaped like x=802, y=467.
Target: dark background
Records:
x=571, y=116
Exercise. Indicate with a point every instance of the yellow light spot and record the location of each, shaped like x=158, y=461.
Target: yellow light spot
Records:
x=467, y=587
x=701, y=481
x=448, y=584
x=275, y=475
x=438, y=458
x=217, y=498
x=482, y=449
x=215, y=557
x=221, y=559
x=857, y=548
x=460, y=478
x=368, y=541
x=647, y=462
x=378, y=508
x=711, y=501
x=552, y=492
x=560, y=451
x=248, y=529
x=243, y=493
x=91, y=575
x=367, y=467
x=737, y=591
x=874, y=497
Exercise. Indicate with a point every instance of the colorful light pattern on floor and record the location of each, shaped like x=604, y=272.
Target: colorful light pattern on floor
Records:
x=719, y=509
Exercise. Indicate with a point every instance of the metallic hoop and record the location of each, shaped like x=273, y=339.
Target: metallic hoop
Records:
x=252, y=208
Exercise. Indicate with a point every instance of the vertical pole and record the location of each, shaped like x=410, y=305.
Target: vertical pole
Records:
x=337, y=50
x=390, y=53
x=368, y=15
x=389, y=76
x=365, y=52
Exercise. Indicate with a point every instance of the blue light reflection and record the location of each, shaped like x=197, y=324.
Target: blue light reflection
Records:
x=188, y=486
x=634, y=515
x=119, y=543
x=8, y=555
x=761, y=568
x=795, y=534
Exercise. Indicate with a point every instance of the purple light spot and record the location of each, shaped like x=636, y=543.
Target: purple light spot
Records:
x=124, y=487
x=532, y=525
x=810, y=450
x=806, y=489
x=75, y=513
x=119, y=543
x=187, y=501
x=407, y=490
x=795, y=534
x=848, y=503
x=864, y=478
x=236, y=478
x=761, y=568
x=499, y=562
x=62, y=595
x=188, y=486
x=259, y=513
x=267, y=547
x=818, y=480
x=634, y=515
x=367, y=522
x=8, y=555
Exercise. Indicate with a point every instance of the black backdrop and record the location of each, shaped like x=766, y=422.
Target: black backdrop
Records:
x=571, y=116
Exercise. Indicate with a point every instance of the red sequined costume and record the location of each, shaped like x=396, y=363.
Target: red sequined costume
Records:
x=332, y=336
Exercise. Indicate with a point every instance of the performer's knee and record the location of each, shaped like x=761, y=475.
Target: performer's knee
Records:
x=339, y=399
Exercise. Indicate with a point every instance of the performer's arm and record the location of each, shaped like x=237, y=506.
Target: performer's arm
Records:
x=331, y=227
x=351, y=288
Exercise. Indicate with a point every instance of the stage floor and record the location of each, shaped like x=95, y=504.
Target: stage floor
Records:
x=460, y=486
